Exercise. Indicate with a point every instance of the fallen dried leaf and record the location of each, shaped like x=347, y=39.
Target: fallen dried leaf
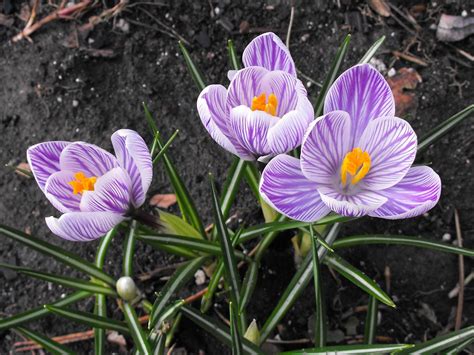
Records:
x=23, y=169
x=405, y=79
x=454, y=28
x=163, y=200
x=115, y=338
x=381, y=7
x=6, y=21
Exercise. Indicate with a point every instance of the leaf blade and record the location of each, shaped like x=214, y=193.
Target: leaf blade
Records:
x=48, y=344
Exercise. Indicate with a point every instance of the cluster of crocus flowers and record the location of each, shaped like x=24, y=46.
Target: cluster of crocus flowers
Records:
x=356, y=159
x=265, y=111
x=94, y=189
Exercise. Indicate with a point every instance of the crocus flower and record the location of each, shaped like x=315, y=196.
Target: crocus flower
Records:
x=94, y=189
x=355, y=160
x=265, y=110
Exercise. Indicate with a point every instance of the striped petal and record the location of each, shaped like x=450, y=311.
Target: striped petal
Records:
x=43, y=159
x=325, y=144
x=287, y=190
x=391, y=144
x=59, y=192
x=250, y=128
x=415, y=194
x=357, y=205
x=268, y=51
x=133, y=156
x=83, y=226
x=86, y=158
x=245, y=85
x=362, y=92
x=112, y=193
x=284, y=87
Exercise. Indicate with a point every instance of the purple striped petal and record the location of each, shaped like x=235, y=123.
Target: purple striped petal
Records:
x=86, y=158
x=83, y=226
x=133, y=156
x=416, y=193
x=287, y=190
x=357, y=205
x=60, y=193
x=325, y=144
x=362, y=92
x=43, y=159
x=251, y=128
x=245, y=85
x=112, y=193
x=268, y=51
x=391, y=144
x=284, y=86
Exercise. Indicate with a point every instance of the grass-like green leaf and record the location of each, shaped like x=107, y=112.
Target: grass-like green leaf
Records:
x=252, y=175
x=331, y=76
x=248, y=286
x=372, y=50
x=165, y=147
x=159, y=346
x=219, y=331
x=168, y=313
x=89, y=319
x=237, y=348
x=57, y=253
x=151, y=121
x=357, y=277
x=172, y=224
x=442, y=343
x=48, y=344
x=444, y=127
x=460, y=347
x=129, y=249
x=400, y=240
x=136, y=330
x=233, y=58
x=180, y=277
x=320, y=328
x=232, y=184
x=371, y=320
x=193, y=70
x=353, y=349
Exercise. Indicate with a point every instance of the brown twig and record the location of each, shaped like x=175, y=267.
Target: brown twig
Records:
x=459, y=308
x=410, y=57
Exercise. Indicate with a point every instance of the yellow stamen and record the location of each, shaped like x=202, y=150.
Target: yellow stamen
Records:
x=260, y=103
x=357, y=164
x=82, y=183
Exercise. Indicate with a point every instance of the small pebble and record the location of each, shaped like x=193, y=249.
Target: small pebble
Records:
x=464, y=13
x=200, y=277
x=446, y=237
x=59, y=99
x=75, y=103
x=391, y=72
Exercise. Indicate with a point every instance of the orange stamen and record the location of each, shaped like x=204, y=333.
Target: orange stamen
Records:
x=357, y=164
x=260, y=103
x=82, y=183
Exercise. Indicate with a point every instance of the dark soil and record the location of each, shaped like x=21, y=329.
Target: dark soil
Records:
x=50, y=91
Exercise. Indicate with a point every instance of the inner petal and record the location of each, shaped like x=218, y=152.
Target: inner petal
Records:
x=260, y=103
x=356, y=163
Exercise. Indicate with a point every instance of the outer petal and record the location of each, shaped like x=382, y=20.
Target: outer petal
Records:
x=391, y=144
x=357, y=205
x=133, y=156
x=284, y=186
x=251, y=128
x=43, y=159
x=245, y=85
x=362, y=92
x=112, y=193
x=83, y=226
x=268, y=51
x=86, y=158
x=416, y=193
x=59, y=192
x=325, y=144
x=284, y=86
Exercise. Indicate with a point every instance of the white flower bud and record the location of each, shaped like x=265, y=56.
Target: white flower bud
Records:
x=126, y=288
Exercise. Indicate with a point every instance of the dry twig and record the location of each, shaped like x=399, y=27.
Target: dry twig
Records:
x=460, y=305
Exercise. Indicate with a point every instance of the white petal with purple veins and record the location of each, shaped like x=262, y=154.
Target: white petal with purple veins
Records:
x=415, y=194
x=60, y=193
x=362, y=92
x=325, y=144
x=244, y=86
x=43, y=159
x=284, y=87
x=83, y=226
x=286, y=189
x=268, y=51
x=391, y=144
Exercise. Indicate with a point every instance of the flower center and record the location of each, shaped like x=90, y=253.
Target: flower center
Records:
x=260, y=103
x=357, y=164
x=82, y=183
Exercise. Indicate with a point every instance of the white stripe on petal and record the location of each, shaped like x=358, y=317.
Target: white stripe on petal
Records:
x=60, y=193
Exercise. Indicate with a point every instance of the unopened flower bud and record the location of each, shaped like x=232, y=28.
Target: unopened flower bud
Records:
x=126, y=288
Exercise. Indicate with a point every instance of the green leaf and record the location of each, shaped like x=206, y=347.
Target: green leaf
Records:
x=232, y=184
x=237, y=348
x=220, y=332
x=150, y=120
x=441, y=343
x=48, y=344
x=252, y=333
x=440, y=130
x=174, y=225
x=39, y=312
x=252, y=175
x=103, y=247
x=89, y=319
x=296, y=287
x=372, y=50
x=136, y=330
x=234, y=60
x=357, y=277
x=159, y=347
x=460, y=347
x=193, y=70
x=353, y=349
x=248, y=286
x=331, y=76
x=400, y=240
x=129, y=249
x=70, y=282
x=57, y=253
x=269, y=214
x=371, y=321
x=168, y=313
x=180, y=277
x=163, y=150
x=320, y=328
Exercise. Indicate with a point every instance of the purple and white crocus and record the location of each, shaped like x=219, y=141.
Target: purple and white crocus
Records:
x=265, y=110
x=94, y=189
x=356, y=159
